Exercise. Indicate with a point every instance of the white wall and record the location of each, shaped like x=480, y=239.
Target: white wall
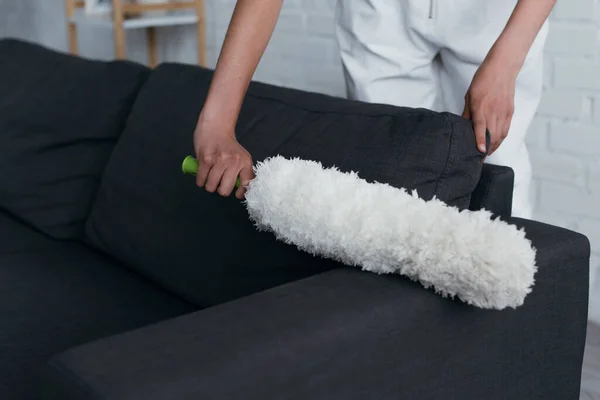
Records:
x=564, y=139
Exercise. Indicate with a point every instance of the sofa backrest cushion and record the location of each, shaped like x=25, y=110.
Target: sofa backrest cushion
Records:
x=154, y=218
x=60, y=117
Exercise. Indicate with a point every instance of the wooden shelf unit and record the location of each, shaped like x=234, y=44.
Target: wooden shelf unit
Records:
x=126, y=16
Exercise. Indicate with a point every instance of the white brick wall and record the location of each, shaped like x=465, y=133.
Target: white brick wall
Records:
x=567, y=164
x=564, y=138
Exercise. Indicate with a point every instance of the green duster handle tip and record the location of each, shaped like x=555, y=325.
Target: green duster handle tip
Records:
x=190, y=167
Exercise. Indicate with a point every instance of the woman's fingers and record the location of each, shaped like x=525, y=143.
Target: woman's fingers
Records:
x=480, y=125
x=222, y=176
x=228, y=180
x=246, y=175
x=204, y=166
x=214, y=177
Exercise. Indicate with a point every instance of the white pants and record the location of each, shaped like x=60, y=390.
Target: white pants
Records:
x=424, y=53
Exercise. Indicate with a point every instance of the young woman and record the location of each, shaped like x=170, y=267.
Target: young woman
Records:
x=481, y=59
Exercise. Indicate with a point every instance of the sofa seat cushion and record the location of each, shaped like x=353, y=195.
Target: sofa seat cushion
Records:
x=151, y=216
x=59, y=119
x=57, y=295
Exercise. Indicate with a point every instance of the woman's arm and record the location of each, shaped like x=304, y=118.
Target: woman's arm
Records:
x=221, y=158
x=520, y=32
x=489, y=101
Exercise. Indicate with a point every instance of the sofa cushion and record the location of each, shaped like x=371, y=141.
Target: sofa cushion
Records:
x=56, y=295
x=59, y=119
x=203, y=246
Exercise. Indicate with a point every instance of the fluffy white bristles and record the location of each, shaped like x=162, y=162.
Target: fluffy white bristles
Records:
x=484, y=262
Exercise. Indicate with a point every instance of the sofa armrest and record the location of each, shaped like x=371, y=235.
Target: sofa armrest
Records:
x=494, y=191
x=346, y=334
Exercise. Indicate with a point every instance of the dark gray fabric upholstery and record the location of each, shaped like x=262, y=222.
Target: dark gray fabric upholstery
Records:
x=149, y=215
x=494, y=192
x=352, y=335
x=60, y=117
x=56, y=295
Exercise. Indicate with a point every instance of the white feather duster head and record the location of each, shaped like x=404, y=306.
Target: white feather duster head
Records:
x=484, y=262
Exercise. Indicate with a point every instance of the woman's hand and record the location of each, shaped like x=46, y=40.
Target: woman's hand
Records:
x=221, y=159
x=489, y=103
